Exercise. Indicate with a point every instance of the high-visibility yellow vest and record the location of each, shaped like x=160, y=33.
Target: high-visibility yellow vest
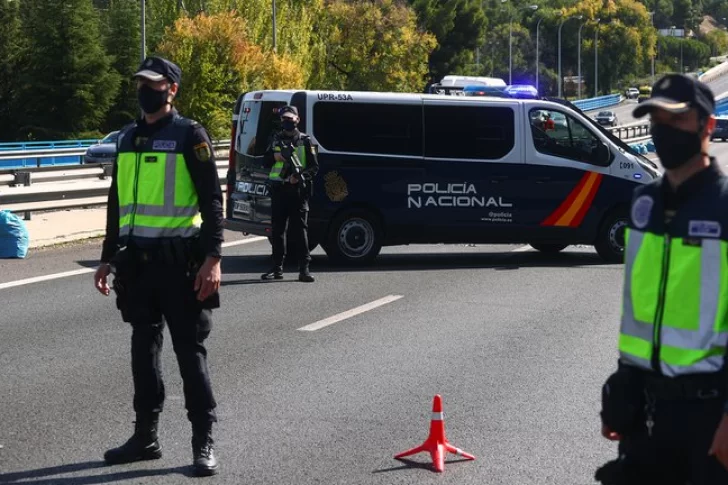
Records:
x=300, y=150
x=675, y=310
x=157, y=198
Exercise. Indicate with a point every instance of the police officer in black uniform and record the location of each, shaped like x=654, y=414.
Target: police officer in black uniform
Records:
x=163, y=243
x=294, y=164
x=667, y=402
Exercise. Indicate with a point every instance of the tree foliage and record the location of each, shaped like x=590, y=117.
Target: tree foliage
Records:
x=123, y=43
x=375, y=46
x=65, y=80
x=219, y=63
x=9, y=48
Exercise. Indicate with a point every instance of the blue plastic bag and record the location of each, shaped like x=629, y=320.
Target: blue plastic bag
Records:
x=14, y=239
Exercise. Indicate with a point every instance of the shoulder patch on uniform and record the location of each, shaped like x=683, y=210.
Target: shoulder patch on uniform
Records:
x=641, y=211
x=202, y=151
x=704, y=229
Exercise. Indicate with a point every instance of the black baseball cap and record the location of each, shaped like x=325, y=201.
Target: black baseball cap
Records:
x=158, y=68
x=678, y=93
x=288, y=109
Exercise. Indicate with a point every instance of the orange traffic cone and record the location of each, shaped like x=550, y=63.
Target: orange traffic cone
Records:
x=436, y=443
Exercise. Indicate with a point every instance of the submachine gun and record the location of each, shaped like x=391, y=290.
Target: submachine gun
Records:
x=292, y=164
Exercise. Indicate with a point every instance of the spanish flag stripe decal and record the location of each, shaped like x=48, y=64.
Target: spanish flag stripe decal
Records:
x=572, y=211
x=576, y=222
x=551, y=220
x=568, y=216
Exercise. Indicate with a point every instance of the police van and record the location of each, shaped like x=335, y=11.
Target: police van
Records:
x=418, y=168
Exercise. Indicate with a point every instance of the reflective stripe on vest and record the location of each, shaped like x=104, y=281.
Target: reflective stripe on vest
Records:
x=694, y=331
x=157, y=197
x=275, y=171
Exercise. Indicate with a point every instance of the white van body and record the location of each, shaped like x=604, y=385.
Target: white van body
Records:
x=400, y=168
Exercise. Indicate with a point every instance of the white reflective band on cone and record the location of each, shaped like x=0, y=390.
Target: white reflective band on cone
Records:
x=437, y=416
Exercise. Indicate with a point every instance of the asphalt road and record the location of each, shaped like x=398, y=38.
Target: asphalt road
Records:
x=624, y=110
x=517, y=343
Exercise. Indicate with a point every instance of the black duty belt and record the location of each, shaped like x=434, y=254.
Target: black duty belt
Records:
x=169, y=252
x=695, y=386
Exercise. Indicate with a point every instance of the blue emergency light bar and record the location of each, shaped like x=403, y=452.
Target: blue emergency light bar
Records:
x=522, y=91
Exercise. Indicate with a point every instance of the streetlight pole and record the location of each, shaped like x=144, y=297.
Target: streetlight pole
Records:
x=144, y=31
x=538, y=24
x=510, y=42
x=275, y=40
x=578, y=62
x=558, y=81
x=596, y=58
x=510, y=49
x=652, y=19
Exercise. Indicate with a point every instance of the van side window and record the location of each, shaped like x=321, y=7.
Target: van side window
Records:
x=258, y=123
x=562, y=135
x=387, y=129
x=470, y=132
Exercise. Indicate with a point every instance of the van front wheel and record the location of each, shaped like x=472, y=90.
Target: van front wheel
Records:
x=610, y=240
x=355, y=237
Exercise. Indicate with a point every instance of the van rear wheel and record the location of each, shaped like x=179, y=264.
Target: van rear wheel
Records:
x=355, y=237
x=610, y=240
x=548, y=248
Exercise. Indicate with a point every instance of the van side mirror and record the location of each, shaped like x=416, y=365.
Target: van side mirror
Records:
x=601, y=155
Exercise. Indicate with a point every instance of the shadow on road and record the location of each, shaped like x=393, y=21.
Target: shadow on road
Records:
x=425, y=262
x=408, y=464
x=40, y=475
x=499, y=261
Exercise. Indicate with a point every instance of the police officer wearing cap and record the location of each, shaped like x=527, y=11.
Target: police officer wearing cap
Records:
x=666, y=404
x=163, y=242
x=294, y=165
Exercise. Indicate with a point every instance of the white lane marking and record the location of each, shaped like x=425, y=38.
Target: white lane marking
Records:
x=76, y=272
x=49, y=277
x=522, y=249
x=243, y=241
x=349, y=313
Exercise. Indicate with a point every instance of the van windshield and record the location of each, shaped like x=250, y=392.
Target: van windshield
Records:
x=258, y=123
x=620, y=143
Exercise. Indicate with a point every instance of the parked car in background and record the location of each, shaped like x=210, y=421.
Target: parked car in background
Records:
x=632, y=93
x=644, y=93
x=607, y=118
x=721, y=129
x=104, y=151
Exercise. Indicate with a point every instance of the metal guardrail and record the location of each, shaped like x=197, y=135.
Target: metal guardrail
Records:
x=62, y=154
x=632, y=131
x=27, y=190
x=598, y=102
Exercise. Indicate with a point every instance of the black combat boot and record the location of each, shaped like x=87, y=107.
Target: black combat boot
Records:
x=304, y=275
x=276, y=273
x=203, y=451
x=143, y=444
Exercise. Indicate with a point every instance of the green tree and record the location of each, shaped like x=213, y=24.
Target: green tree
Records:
x=66, y=83
x=9, y=47
x=219, y=63
x=123, y=43
x=459, y=28
x=376, y=46
x=717, y=40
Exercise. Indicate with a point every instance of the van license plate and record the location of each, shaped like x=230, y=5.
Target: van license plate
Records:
x=241, y=206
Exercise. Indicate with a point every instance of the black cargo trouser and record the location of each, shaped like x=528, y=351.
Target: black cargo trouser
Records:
x=289, y=207
x=162, y=293
x=676, y=451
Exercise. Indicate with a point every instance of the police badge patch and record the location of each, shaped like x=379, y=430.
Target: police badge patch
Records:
x=203, y=152
x=335, y=186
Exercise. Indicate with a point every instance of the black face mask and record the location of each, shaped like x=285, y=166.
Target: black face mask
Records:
x=288, y=125
x=674, y=147
x=151, y=100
